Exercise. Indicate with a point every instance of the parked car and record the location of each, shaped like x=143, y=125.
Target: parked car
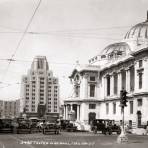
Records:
x=51, y=127
x=6, y=126
x=71, y=127
x=34, y=125
x=64, y=124
x=112, y=127
x=99, y=125
x=68, y=125
x=105, y=126
x=24, y=126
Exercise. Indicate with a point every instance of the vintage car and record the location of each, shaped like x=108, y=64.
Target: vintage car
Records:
x=51, y=127
x=112, y=127
x=64, y=123
x=24, y=126
x=34, y=125
x=68, y=125
x=99, y=125
x=6, y=126
x=105, y=126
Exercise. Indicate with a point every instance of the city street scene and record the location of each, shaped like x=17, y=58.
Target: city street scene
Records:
x=73, y=73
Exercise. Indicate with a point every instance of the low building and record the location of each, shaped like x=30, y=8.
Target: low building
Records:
x=9, y=109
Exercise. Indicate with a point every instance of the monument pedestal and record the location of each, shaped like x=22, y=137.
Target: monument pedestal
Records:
x=122, y=138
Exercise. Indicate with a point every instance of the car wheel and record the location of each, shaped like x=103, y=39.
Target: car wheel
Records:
x=119, y=132
x=110, y=132
x=58, y=132
x=95, y=131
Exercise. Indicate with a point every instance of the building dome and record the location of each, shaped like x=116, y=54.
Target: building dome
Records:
x=137, y=36
x=138, y=31
x=116, y=50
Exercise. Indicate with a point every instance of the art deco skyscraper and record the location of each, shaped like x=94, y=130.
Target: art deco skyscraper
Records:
x=40, y=90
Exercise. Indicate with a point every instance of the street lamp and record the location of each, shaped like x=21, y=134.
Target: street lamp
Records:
x=122, y=138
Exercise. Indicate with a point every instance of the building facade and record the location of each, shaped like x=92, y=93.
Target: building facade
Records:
x=97, y=86
x=40, y=91
x=9, y=109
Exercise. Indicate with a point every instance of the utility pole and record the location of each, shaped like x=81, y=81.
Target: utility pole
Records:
x=122, y=138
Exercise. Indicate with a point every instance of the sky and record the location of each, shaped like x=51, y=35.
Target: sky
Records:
x=65, y=31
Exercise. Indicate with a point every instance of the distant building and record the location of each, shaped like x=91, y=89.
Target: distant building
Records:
x=9, y=109
x=40, y=91
x=97, y=86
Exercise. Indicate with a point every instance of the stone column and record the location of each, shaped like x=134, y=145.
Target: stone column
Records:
x=70, y=107
x=119, y=83
x=78, y=116
x=85, y=86
x=66, y=112
x=127, y=80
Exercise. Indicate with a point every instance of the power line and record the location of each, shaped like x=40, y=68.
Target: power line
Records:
x=16, y=60
x=10, y=28
x=94, y=36
x=74, y=33
x=67, y=30
x=67, y=34
x=22, y=37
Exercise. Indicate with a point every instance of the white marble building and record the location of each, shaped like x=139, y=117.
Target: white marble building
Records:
x=122, y=65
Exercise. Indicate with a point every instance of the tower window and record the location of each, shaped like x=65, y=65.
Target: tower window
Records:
x=107, y=108
x=108, y=85
x=114, y=108
x=140, y=80
x=92, y=78
x=92, y=106
x=132, y=78
x=140, y=63
x=77, y=90
x=123, y=74
x=131, y=107
x=115, y=83
x=139, y=102
x=92, y=90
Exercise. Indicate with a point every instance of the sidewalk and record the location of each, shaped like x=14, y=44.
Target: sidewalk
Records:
x=139, y=131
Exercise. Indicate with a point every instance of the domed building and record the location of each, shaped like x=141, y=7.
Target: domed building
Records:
x=97, y=86
x=137, y=36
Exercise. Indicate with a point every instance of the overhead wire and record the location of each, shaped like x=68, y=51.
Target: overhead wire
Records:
x=75, y=33
x=70, y=30
x=22, y=37
x=9, y=28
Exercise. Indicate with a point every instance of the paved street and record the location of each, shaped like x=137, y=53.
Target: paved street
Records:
x=66, y=140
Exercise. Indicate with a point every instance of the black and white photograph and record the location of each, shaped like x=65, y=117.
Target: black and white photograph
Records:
x=73, y=73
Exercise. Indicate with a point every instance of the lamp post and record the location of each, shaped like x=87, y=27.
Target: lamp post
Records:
x=122, y=138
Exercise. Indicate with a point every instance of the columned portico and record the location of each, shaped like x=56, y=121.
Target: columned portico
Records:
x=71, y=107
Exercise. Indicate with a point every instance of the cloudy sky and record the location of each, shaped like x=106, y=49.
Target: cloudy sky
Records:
x=65, y=31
